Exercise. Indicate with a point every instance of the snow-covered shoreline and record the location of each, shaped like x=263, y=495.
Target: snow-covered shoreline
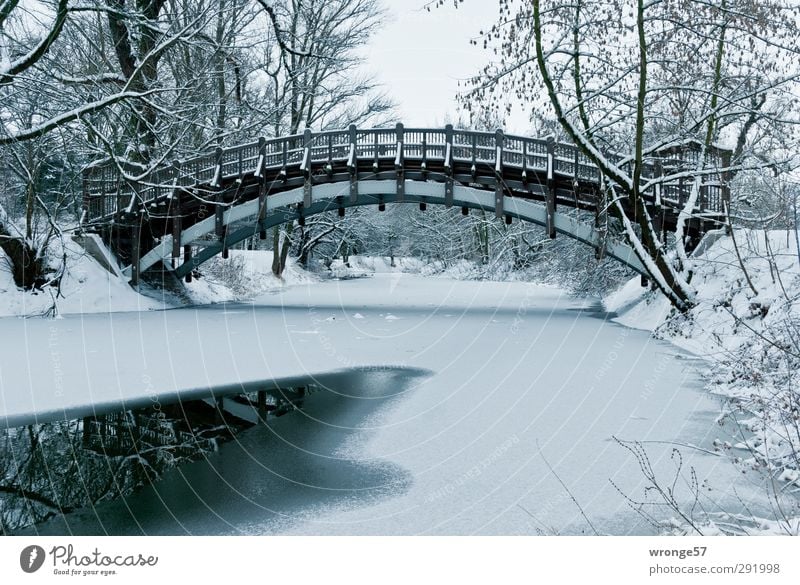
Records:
x=744, y=327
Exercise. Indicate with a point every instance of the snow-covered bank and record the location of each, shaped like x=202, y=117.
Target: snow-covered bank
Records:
x=746, y=324
x=729, y=314
x=86, y=287
x=244, y=275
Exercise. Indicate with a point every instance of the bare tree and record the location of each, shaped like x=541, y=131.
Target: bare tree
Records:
x=637, y=78
x=315, y=82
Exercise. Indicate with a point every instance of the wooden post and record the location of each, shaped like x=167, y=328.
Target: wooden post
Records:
x=284, y=168
x=448, y=166
x=352, y=164
x=525, y=163
x=262, y=185
x=219, y=209
x=306, y=167
x=550, y=189
x=398, y=165
x=473, y=169
x=103, y=431
x=329, y=165
x=175, y=211
x=424, y=146
x=498, y=175
x=375, y=163
x=262, y=157
x=575, y=170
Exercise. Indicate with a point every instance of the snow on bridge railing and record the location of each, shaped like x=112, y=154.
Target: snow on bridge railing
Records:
x=108, y=191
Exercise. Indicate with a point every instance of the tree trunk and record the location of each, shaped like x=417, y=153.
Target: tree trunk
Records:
x=280, y=248
x=26, y=267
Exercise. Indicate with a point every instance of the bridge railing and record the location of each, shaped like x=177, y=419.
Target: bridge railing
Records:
x=109, y=189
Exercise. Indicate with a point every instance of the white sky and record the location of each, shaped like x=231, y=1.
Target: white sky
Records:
x=420, y=57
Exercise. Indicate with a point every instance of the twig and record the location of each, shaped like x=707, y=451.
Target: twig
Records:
x=569, y=493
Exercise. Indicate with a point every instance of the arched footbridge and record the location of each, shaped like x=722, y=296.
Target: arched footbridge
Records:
x=186, y=212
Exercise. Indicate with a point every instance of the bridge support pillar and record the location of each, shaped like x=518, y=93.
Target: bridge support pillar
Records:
x=551, y=212
x=176, y=229
x=187, y=258
x=225, y=251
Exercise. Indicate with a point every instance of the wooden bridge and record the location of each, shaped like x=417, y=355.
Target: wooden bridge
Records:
x=186, y=212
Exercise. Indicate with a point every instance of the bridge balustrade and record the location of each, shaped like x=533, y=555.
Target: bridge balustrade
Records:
x=110, y=189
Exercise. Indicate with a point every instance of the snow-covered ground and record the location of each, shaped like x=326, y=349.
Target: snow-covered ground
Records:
x=458, y=408
x=723, y=295
x=86, y=287
x=244, y=275
x=746, y=324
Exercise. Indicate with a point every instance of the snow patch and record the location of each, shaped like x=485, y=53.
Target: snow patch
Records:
x=86, y=287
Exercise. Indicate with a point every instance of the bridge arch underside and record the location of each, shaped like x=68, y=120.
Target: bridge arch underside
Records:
x=287, y=206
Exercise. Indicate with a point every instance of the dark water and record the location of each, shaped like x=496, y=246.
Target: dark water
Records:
x=269, y=477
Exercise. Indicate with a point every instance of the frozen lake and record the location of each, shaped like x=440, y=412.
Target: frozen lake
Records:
x=454, y=408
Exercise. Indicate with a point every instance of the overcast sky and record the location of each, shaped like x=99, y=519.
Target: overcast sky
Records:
x=420, y=56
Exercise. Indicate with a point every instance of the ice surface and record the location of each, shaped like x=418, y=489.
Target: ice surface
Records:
x=438, y=422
